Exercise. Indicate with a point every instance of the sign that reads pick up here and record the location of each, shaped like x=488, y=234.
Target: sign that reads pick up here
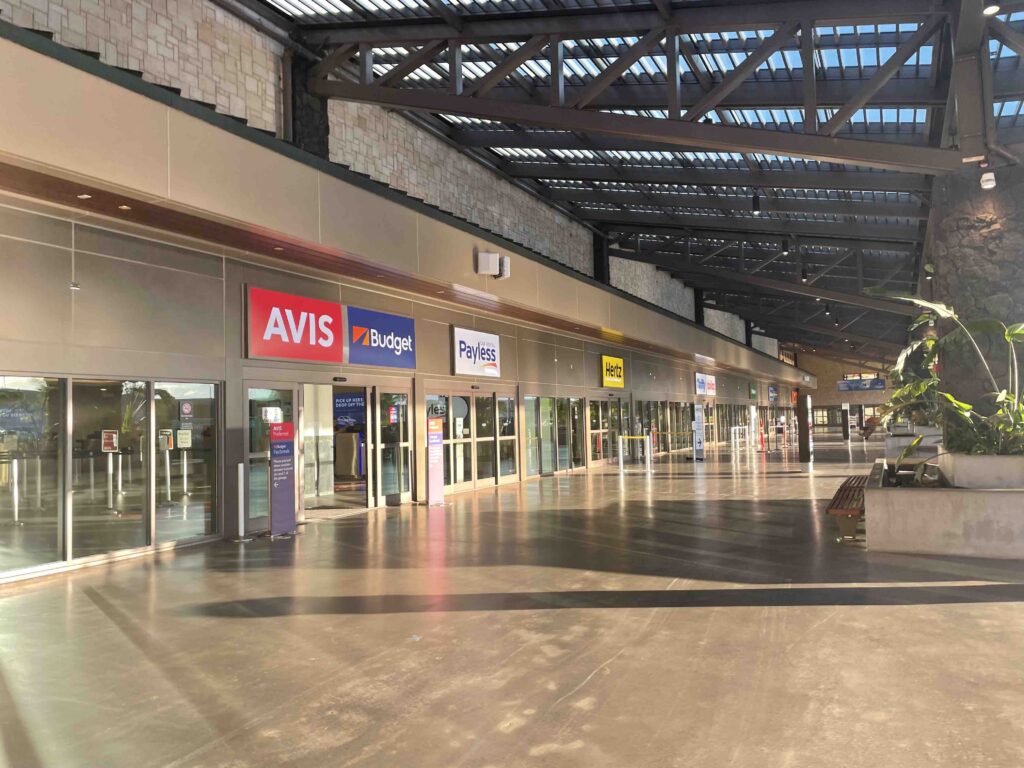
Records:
x=613, y=372
x=476, y=353
x=290, y=327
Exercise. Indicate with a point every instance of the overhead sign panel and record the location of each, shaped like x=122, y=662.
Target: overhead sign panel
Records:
x=476, y=353
x=862, y=385
x=613, y=372
x=378, y=338
x=289, y=327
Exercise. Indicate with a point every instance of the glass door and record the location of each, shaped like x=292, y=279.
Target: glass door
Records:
x=462, y=441
x=508, y=464
x=394, y=447
x=334, y=449
x=268, y=404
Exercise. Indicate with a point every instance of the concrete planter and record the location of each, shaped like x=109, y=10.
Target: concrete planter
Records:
x=970, y=471
x=943, y=521
x=929, y=445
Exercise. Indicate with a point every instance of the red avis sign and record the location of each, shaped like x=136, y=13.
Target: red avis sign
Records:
x=294, y=328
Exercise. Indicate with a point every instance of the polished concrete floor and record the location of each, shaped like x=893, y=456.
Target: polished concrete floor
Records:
x=702, y=617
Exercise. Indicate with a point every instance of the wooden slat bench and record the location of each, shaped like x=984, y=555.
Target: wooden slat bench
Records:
x=848, y=506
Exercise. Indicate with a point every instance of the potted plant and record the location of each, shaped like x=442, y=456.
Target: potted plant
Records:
x=983, y=441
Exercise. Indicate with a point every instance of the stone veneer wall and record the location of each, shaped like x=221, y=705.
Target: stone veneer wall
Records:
x=765, y=344
x=388, y=148
x=193, y=45
x=977, y=245
x=726, y=323
x=651, y=284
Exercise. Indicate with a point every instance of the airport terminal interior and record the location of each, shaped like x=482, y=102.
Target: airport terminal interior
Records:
x=495, y=383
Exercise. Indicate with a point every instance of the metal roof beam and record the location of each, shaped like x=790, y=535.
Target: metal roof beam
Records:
x=787, y=205
x=723, y=138
x=777, y=286
x=782, y=179
x=715, y=238
x=736, y=17
x=754, y=226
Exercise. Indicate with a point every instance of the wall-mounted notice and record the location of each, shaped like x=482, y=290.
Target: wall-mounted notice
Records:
x=108, y=440
x=184, y=438
x=712, y=386
x=701, y=383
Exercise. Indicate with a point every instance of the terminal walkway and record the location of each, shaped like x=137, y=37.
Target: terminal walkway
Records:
x=704, y=616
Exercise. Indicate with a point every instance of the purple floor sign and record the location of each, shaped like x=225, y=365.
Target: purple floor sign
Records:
x=435, y=461
x=282, y=478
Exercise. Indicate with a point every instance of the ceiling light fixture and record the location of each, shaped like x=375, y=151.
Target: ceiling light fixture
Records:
x=755, y=205
x=75, y=286
x=828, y=310
x=990, y=10
x=83, y=196
x=123, y=207
x=803, y=275
x=278, y=248
x=785, y=247
x=988, y=180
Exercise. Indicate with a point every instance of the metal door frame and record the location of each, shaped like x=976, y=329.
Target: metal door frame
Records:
x=296, y=390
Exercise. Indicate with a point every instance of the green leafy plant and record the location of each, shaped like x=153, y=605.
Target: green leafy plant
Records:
x=992, y=426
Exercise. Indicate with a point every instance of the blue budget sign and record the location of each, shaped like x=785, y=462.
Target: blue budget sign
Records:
x=377, y=338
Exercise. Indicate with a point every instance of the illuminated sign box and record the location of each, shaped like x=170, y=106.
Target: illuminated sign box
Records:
x=613, y=372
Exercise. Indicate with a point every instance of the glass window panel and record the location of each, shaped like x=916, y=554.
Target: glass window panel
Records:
x=109, y=431
x=507, y=457
x=547, y=434
x=531, y=412
x=394, y=469
x=562, y=431
x=506, y=416
x=437, y=408
x=485, y=416
x=394, y=408
x=463, y=463
x=485, y=460
x=266, y=407
x=186, y=469
x=31, y=466
x=595, y=414
x=460, y=417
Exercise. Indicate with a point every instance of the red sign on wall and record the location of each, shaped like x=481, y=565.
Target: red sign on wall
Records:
x=294, y=327
x=284, y=431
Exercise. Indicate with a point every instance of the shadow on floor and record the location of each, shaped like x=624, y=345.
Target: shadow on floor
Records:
x=538, y=601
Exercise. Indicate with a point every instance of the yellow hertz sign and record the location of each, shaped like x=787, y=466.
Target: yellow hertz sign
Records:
x=613, y=372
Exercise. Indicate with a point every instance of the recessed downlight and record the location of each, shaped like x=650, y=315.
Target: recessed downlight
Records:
x=278, y=248
x=990, y=10
x=84, y=196
x=124, y=207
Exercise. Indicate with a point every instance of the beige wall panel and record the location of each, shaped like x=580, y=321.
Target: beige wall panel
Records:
x=433, y=348
x=521, y=286
x=532, y=334
x=363, y=224
x=229, y=176
x=123, y=305
x=446, y=253
x=84, y=124
x=571, y=367
x=557, y=294
x=26, y=225
x=537, y=361
x=275, y=280
x=490, y=325
x=357, y=297
x=34, y=294
x=594, y=305
x=108, y=243
x=509, y=358
x=443, y=315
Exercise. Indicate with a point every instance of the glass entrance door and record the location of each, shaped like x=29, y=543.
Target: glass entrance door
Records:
x=394, y=447
x=268, y=404
x=335, y=466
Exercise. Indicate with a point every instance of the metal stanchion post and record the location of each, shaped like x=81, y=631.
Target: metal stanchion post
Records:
x=184, y=472
x=241, y=504
x=39, y=482
x=110, y=481
x=167, y=473
x=92, y=476
x=120, y=485
x=622, y=466
x=14, y=487
x=649, y=452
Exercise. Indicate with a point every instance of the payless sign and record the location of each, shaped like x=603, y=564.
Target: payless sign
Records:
x=294, y=327
x=613, y=372
x=476, y=353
